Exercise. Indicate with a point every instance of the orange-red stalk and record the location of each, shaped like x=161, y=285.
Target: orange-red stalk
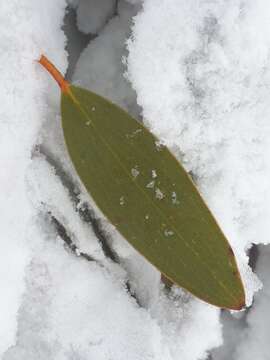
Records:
x=64, y=84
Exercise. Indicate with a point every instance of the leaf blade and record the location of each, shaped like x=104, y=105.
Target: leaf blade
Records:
x=144, y=191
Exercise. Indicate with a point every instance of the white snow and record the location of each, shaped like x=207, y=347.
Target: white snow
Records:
x=254, y=341
x=135, y=172
x=92, y=15
x=180, y=317
x=202, y=83
x=151, y=184
x=27, y=28
x=175, y=200
x=168, y=232
x=47, y=193
x=154, y=174
x=105, y=54
x=200, y=72
x=159, y=194
x=122, y=200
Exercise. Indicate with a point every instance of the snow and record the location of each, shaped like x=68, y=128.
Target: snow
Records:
x=202, y=83
x=122, y=200
x=46, y=197
x=105, y=54
x=22, y=112
x=154, y=174
x=168, y=232
x=92, y=15
x=72, y=287
x=174, y=198
x=247, y=337
x=159, y=194
x=68, y=317
x=135, y=172
x=151, y=184
x=174, y=315
x=254, y=342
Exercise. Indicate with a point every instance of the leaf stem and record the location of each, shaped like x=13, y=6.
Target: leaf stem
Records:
x=58, y=77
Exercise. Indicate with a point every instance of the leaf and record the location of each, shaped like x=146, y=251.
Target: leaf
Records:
x=148, y=196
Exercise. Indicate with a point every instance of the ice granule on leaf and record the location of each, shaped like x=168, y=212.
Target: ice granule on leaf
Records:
x=151, y=184
x=159, y=194
x=135, y=172
x=122, y=200
x=93, y=14
x=201, y=72
x=154, y=174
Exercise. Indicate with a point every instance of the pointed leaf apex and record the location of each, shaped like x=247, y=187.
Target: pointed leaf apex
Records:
x=240, y=306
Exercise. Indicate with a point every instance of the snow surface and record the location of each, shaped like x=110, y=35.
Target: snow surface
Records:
x=72, y=287
x=92, y=15
x=203, y=84
x=26, y=29
x=100, y=66
x=254, y=341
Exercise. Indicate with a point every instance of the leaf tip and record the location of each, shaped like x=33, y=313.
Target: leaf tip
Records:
x=239, y=306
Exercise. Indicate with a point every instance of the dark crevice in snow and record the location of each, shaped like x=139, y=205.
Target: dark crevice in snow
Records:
x=86, y=214
x=253, y=256
x=62, y=232
x=76, y=40
x=65, y=178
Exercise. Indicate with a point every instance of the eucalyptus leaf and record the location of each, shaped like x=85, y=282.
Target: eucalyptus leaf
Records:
x=147, y=195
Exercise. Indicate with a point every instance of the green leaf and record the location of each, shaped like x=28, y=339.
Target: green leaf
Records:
x=148, y=196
